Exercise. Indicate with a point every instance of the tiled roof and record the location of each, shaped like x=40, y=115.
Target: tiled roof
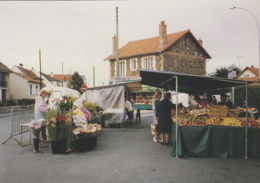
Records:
x=252, y=69
x=4, y=68
x=66, y=77
x=26, y=77
x=256, y=79
x=28, y=73
x=150, y=45
x=50, y=78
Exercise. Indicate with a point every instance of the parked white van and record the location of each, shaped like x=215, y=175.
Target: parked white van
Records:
x=58, y=93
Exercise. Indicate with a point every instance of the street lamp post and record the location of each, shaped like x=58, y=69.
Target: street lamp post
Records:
x=258, y=35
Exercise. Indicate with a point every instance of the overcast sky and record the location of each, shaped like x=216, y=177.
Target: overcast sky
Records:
x=79, y=33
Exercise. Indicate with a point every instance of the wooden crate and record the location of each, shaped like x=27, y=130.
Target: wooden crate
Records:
x=233, y=113
x=218, y=110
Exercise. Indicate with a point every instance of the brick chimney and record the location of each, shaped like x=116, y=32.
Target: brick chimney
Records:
x=162, y=34
x=114, y=44
x=200, y=41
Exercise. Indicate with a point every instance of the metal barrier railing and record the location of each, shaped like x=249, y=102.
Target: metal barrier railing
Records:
x=20, y=115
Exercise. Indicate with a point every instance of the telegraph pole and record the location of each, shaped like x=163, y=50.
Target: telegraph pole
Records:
x=40, y=60
x=93, y=76
x=117, y=38
x=62, y=74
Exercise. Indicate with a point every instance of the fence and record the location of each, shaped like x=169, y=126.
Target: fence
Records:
x=20, y=115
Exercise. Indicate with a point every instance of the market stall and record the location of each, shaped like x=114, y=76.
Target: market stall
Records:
x=202, y=135
x=112, y=100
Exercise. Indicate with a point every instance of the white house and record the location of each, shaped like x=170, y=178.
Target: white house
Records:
x=23, y=87
x=249, y=74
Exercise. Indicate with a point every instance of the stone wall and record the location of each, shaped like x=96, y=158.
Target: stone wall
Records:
x=186, y=56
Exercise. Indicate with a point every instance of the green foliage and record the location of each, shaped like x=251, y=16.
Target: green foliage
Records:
x=253, y=96
x=77, y=82
x=221, y=72
x=26, y=101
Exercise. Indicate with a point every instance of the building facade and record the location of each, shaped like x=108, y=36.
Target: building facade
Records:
x=177, y=52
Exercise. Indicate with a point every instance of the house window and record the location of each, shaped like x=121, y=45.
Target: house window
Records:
x=122, y=71
x=30, y=89
x=133, y=64
x=148, y=63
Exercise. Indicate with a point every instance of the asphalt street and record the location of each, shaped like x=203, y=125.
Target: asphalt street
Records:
x=122, y=155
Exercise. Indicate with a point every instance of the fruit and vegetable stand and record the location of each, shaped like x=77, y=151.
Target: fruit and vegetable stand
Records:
x=215, y=141
x=205, y=137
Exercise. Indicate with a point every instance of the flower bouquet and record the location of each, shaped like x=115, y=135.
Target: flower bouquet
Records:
x=93, y=108
x=36, y=125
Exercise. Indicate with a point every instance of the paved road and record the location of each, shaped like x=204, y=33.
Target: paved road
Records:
x=126, y=155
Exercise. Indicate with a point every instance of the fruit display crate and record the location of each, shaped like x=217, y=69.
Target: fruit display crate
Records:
x=218, y=110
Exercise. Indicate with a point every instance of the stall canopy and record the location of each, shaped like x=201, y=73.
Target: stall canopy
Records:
x=187, y=83
x=111, y=98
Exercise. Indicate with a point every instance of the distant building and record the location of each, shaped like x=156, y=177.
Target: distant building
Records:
x=49, y=81
x=65, y=79
x=249, y=74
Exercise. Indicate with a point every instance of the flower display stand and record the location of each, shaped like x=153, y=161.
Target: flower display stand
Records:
x=83, y=144
x=58, y=147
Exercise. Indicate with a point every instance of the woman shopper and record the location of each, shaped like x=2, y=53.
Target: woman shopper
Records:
x=40, y=109
x=164, y=118
x=156, y=102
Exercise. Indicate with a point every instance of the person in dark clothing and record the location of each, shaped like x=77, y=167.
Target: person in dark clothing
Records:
x=164, y=118
x=226, y=102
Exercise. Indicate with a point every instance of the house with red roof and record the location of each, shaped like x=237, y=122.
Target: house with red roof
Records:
x=176, y=52
x=249, y=74
x=24, y=83
x=65, y=79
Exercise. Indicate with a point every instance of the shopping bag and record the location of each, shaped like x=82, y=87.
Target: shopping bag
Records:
x=154, y=130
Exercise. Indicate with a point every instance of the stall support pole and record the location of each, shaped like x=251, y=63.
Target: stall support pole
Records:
x=246, y=121
x=177, y=140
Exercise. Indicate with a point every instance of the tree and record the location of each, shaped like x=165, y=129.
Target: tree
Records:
x=77, y=82
x=222, y=72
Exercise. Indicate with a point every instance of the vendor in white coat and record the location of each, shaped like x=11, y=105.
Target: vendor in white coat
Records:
x=40, y=109
x=129, y=110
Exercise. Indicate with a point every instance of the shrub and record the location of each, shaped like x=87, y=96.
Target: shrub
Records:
x=26, y=101
x=253, y=97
